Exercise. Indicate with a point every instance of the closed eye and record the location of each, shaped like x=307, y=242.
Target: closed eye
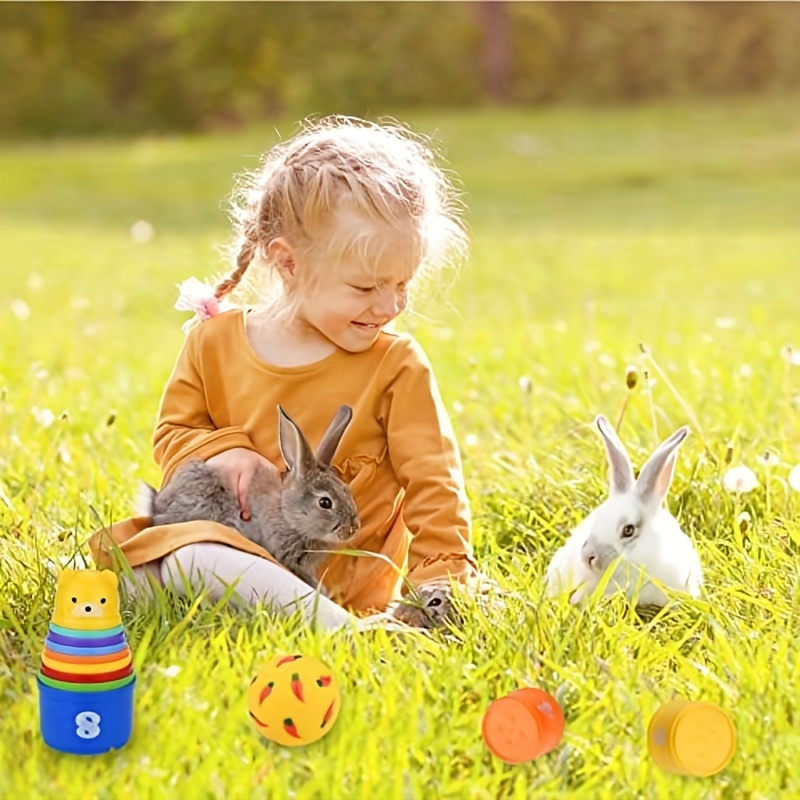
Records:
x=363, y=289
x=628, y=531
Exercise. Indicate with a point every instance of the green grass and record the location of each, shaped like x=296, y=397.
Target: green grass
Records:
x=594, y=231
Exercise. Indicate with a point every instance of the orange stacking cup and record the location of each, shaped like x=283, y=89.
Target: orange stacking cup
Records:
x=523, y=725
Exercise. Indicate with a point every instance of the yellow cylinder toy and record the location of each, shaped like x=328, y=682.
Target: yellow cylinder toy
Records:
x=697, y=739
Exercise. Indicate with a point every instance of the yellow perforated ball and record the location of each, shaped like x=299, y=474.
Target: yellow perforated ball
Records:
x=294, y=700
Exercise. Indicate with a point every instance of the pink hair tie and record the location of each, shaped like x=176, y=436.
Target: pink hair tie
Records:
x=200, y=298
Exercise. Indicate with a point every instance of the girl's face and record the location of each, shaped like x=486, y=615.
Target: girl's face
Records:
x=354, y=299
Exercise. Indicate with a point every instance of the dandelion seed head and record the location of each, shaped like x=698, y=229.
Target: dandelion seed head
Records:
x=606, y=360
x=791, y=355
x=141, y=231
x=171, y=671
x=739, y=480
x=44, y=416
x=20, y=309
x=768, y=459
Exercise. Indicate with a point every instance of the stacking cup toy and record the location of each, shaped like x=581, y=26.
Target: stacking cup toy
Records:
x=697, y=739
x=86, y=678
x=523, y=725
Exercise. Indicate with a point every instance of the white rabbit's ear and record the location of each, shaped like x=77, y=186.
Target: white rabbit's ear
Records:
x=295, y=450
x=331, y=438
x=620, y=470
x=656, y=475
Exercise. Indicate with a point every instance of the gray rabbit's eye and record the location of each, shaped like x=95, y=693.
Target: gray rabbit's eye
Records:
x=436, y=601
x=325, y=502
x=628, y=531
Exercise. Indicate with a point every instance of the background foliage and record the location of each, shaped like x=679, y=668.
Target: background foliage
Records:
x=84, y=68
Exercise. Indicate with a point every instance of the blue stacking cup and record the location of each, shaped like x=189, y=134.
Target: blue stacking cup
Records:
x=86, y=722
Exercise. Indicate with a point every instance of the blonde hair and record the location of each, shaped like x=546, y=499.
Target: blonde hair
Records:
x=379, y=172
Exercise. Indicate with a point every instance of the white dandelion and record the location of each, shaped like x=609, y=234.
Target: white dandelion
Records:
x=794, y=478
x=170, y=671
x=768, y=459
x=20, y=309
x=44, y=416
x=791, y=355
x=739, y=480
x=141, y=231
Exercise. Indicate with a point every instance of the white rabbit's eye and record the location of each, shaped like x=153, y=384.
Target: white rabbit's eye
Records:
x=325, y=502
x=628, y=531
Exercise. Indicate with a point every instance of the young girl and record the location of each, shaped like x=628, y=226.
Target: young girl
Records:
x=344, y=218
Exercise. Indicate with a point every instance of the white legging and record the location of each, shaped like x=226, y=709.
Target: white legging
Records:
x=212, y=567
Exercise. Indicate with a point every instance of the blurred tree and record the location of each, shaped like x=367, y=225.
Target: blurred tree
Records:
x=83, y=68
x=496, y=49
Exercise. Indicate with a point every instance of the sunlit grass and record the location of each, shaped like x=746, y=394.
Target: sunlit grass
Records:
x=594, y=233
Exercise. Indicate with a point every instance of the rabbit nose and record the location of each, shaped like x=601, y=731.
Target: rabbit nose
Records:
x=590, y=557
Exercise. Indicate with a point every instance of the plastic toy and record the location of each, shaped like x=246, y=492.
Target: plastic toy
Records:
x=294, y=700
x=688, y=738
x=86, y=678
x=523, y=725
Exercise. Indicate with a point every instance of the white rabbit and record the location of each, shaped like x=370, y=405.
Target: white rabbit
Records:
x=633, y=525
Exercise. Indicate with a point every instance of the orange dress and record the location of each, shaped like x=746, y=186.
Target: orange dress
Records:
x=398, y=455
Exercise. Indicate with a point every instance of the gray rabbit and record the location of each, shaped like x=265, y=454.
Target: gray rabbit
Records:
x=430, y=607
x=305, y=509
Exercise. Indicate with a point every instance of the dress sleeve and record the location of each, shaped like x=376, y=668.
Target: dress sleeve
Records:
x=425, y=458
x=184, y=428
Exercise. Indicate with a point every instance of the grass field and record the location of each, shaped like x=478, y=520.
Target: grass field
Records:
x=594, y=231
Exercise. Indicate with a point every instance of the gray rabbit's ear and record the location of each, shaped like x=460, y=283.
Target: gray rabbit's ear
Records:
x=620, y=470
x=294, y=448
x=656, y=475
x=331, y=438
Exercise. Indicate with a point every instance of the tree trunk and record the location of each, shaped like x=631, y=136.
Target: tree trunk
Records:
x=496, y=49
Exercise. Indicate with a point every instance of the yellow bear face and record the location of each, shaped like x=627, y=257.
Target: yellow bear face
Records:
x=87, y=600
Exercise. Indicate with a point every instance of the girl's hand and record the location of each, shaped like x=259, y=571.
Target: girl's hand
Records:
x=237, y=467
